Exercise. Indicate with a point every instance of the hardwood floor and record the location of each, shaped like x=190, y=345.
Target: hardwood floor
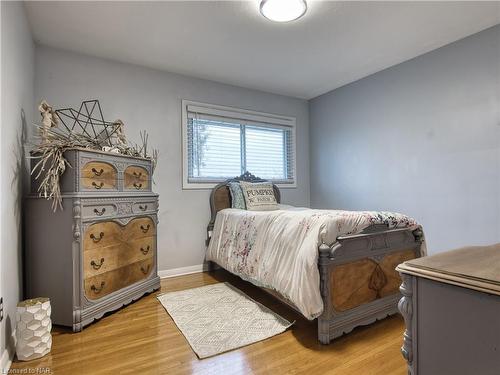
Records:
x=142, y=339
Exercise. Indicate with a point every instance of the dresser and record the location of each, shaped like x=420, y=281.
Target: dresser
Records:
x=99, y=252
x=451, y=307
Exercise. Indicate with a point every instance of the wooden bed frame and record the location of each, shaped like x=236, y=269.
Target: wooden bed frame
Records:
x=358, y=280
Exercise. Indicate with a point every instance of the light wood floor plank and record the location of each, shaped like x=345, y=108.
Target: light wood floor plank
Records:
x=142, y=339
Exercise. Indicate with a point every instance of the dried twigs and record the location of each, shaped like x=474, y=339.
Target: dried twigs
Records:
x=52, y=163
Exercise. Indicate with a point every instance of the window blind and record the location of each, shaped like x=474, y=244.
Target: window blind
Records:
x=221, y=147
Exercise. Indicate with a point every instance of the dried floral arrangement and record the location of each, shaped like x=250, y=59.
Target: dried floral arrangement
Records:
x=81, y=129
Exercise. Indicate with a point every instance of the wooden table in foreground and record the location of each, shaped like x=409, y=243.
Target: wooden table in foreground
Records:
x=451, y=306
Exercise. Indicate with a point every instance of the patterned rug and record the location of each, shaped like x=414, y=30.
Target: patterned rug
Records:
x=218, y=318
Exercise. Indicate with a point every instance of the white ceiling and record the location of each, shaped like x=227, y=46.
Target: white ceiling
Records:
x=229, y=41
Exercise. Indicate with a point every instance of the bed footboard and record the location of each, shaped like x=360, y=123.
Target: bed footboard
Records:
x=359, y=283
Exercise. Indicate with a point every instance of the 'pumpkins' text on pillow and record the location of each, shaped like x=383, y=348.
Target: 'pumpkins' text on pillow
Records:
x=259, y=196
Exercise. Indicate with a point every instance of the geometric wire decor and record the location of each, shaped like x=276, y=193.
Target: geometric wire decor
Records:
x=68, y=128
x=88, y=120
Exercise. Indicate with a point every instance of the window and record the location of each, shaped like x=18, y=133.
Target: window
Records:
x=223, y=142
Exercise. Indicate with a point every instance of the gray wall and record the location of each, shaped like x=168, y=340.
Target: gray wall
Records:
x=17, y=98
x=422, y=138
x=151, y=100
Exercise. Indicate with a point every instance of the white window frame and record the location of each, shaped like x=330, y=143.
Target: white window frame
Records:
x=232, y=112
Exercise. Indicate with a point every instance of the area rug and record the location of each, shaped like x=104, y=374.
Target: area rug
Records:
x=219, y=317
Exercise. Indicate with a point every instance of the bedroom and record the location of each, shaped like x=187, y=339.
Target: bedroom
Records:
x=360, y=106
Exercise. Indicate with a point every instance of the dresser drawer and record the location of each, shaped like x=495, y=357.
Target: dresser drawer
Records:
x=105, y=259
x=140, y=227
x=107, y=233
x=136, y=178
x=102, y=208
x=101, y=285
x=102, y=235
x=98, y=210
x=145, y=207
x=96, y=175
x=94, y=172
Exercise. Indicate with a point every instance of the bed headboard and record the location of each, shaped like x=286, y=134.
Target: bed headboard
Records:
x=220, y=197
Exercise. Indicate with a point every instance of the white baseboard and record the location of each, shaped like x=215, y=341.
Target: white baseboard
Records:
x=182, y=271
x=8, y=354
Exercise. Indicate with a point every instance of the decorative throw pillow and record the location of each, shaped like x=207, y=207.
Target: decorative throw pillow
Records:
x=259, y=196
x=237, y=198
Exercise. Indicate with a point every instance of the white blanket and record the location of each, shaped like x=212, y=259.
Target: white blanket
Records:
x=279, y=249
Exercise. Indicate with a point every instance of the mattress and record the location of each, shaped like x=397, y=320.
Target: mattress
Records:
x=278, y=249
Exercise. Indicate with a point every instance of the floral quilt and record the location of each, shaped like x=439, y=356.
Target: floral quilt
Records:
x=279, y=249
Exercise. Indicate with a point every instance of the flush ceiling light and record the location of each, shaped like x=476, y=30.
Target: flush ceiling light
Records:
x=283, y=10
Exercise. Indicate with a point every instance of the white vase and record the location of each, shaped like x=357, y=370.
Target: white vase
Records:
x=33, y=329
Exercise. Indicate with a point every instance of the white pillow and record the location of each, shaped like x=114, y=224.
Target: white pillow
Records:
x=259, y=196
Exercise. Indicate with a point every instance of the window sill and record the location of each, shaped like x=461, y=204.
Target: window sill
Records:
x=211, y=185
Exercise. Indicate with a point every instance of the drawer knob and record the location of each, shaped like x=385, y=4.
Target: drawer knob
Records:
x=137, y=186
x=96, y=239
x=145, y=228
x=96, y=289
x=97, y=186
x=146, y=250
x=143, y=208
x=99, y=213
x=95, y=265
x=97, y=172
x=138, y=175
x=145, y=270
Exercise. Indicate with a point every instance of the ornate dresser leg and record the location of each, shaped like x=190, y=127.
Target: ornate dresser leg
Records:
x=323, y=331
x=405, y=306
x=324, y=273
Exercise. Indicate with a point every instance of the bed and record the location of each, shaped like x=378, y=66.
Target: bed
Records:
x=352, y=281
